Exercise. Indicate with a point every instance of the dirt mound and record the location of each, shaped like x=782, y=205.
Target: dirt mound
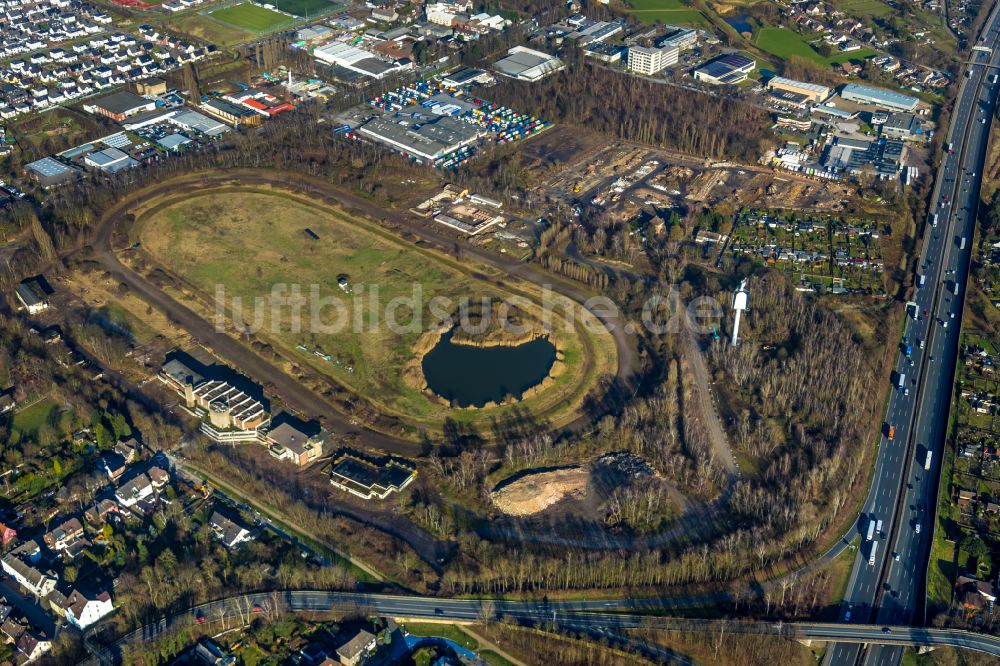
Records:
x=534, y=492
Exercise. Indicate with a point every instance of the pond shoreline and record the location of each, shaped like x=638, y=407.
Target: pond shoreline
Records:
x=413, y=372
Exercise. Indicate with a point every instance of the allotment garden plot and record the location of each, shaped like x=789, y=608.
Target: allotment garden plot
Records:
x=824, y=253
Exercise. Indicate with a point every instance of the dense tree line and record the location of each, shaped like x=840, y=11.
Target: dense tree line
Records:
x=639, y=110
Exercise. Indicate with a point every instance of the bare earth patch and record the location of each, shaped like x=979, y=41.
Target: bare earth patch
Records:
x=536, y=491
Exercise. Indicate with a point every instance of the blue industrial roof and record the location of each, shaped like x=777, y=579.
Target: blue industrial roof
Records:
x=880, y=95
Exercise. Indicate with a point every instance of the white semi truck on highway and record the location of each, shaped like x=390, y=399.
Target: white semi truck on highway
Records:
x=927, y=460
x=873, y=550
x=871, y=528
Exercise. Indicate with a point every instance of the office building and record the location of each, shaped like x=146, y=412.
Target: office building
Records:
x=649, y=61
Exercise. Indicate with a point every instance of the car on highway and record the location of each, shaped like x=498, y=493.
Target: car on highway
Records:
x=895, y=555
x=847, y=615
x=916, y=528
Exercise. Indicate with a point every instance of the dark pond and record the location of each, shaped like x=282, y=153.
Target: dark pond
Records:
x=740, y=23
x=477, y=375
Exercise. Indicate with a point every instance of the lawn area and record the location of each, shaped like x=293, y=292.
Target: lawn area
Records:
x=251, y=17
x=305, y=8
x=251, y=242
x=495, y=659
x=206, y=29
x=671, y=16
x=645, y=5
x=28, y=421
x=786, y=43
x=449, y=631
x=873, y=8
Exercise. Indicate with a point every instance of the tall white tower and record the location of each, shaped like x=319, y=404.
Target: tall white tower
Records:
x=739, y=305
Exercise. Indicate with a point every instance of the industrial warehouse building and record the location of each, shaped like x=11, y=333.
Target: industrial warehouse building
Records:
x=680, y=38
x=887, y=99
x=902, y=125
x=526, y=64
x=813, y=92
x=426, y=141
x=728, y=69
x=120, y=106
x=356, y=60
x=649, y=61
x=49, y=171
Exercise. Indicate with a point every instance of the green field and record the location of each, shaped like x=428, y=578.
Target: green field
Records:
x=250, y=17
x=671, y=16
x=646, y=5
x=786, y=43
x=250, y=240
x=873, y=8
x=209, y=30
x=28, y=421
x=304, y=8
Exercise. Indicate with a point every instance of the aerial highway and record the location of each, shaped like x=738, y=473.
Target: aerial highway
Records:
x=589, y=616
x=889, y=587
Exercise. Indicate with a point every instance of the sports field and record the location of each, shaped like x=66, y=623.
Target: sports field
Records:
x=250, y=17
x=786, y=43
x=249, y=240
x=304, y=8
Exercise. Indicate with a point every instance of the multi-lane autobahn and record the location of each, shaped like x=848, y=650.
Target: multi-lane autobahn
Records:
x=889, y=588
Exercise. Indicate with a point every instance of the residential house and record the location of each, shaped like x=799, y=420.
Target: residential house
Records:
x=27, y=576
x=230, y=533
x=356, y=650
x=113, y=464
x=210, y=653
x=7, y=534
x=974, y=594
x=286, y=442
x=64, y=535
x=83, y=610
x=134, y=490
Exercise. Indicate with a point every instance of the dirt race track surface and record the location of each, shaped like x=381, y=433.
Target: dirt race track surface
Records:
x=296, y=396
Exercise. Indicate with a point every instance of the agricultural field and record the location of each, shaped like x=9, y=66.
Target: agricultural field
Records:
x=251, y=18
x=785, y=43
x=247, y=241
x=673, y=12
x=825, y=253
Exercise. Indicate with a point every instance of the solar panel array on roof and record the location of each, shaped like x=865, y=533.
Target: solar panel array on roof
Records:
x=117, y=141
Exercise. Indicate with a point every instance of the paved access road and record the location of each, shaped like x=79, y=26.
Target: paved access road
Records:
x=891, y=590
x=589, y=616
